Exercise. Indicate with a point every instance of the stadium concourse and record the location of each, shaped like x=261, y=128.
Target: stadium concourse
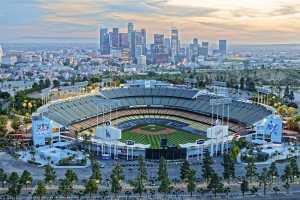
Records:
x=183, y=110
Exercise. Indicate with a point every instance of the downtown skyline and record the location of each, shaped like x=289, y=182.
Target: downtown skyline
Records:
x=242, y=22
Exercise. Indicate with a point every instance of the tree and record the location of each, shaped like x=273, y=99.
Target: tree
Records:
x=207, y=170
x=191, y=180
x=115, y=184
x=40, y=190
x=292, y=96
x=96, y=173
x=139, y=182
x=116, y=177
x=242, y=83
x=273, y=173
x=264, y=179
x=65, y=188
x=229, y=170
x=91, y=187
x=26, y=178
x=163, y=177
x=3, y=177
x=142, y=168
x=251, y=169
x=286, y=93
x=71, y=176
x=14, y=187
x=294, y=168
x=161, y=168
x=244, y=186
x=3, y=122
x=56, y=83
x=215, y=184
x=118, y=171
x=50, y=174
x=184, y=170
x=287, y=174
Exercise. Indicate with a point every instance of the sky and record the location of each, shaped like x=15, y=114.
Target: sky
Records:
x=239, y=21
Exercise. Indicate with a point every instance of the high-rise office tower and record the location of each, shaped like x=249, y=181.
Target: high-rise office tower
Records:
x=167, y=45
x=104, y=42
x=174, y=43
x=131, y=39
x=195, y=41
x=144, y=35
x=158, y=53
x=194, y=50
x=223, y=46
x=123, y=40
x=158, y=38
x=115, y=38
x=203, y=50
x=1, y=54
x=139, y=43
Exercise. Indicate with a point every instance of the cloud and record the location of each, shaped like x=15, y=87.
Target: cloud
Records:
x=241, y=21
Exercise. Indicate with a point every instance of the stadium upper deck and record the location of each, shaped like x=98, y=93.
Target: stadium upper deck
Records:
x=76, y=110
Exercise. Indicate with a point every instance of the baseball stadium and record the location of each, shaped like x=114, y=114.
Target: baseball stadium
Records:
x=150, y=121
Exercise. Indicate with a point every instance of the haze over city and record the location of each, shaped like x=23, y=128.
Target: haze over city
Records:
x=244, y=21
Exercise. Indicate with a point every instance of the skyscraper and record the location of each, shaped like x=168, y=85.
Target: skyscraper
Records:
x=115, y=38
x=1, y=54
x=144, y=35
x=174, y=44
x=223, y=46
x=158, y=39
x=194, y=50
x=131, y=39
x=123, y=40
x=104, y=42
x=203, y=50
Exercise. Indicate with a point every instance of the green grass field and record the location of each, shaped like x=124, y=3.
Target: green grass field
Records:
x=176, y=137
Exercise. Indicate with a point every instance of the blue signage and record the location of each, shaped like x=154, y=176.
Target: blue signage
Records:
x=271, y=126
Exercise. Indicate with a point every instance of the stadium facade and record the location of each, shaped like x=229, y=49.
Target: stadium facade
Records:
x=150, y=103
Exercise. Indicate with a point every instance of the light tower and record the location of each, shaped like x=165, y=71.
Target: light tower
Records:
x=1, y=54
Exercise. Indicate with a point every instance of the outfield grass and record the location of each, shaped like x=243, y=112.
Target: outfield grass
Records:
x=175, y=138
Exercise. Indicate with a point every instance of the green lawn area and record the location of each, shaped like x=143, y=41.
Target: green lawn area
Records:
x=175, y=138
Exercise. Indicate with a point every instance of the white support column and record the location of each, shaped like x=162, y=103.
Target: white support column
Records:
x=217, y=146
x=212, y=115
x=202, y=150
x=211, y=148
x=222, y=114
x=132, y=153
x=222, y=147
x=127, y=152
x=110, y=149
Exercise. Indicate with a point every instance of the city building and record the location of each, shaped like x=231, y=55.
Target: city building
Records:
x=223, y=47
x=123, y=40
x=174, y=44
x=104, y=42
x=1, y=54
x=131, y=39
x=115, y=38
